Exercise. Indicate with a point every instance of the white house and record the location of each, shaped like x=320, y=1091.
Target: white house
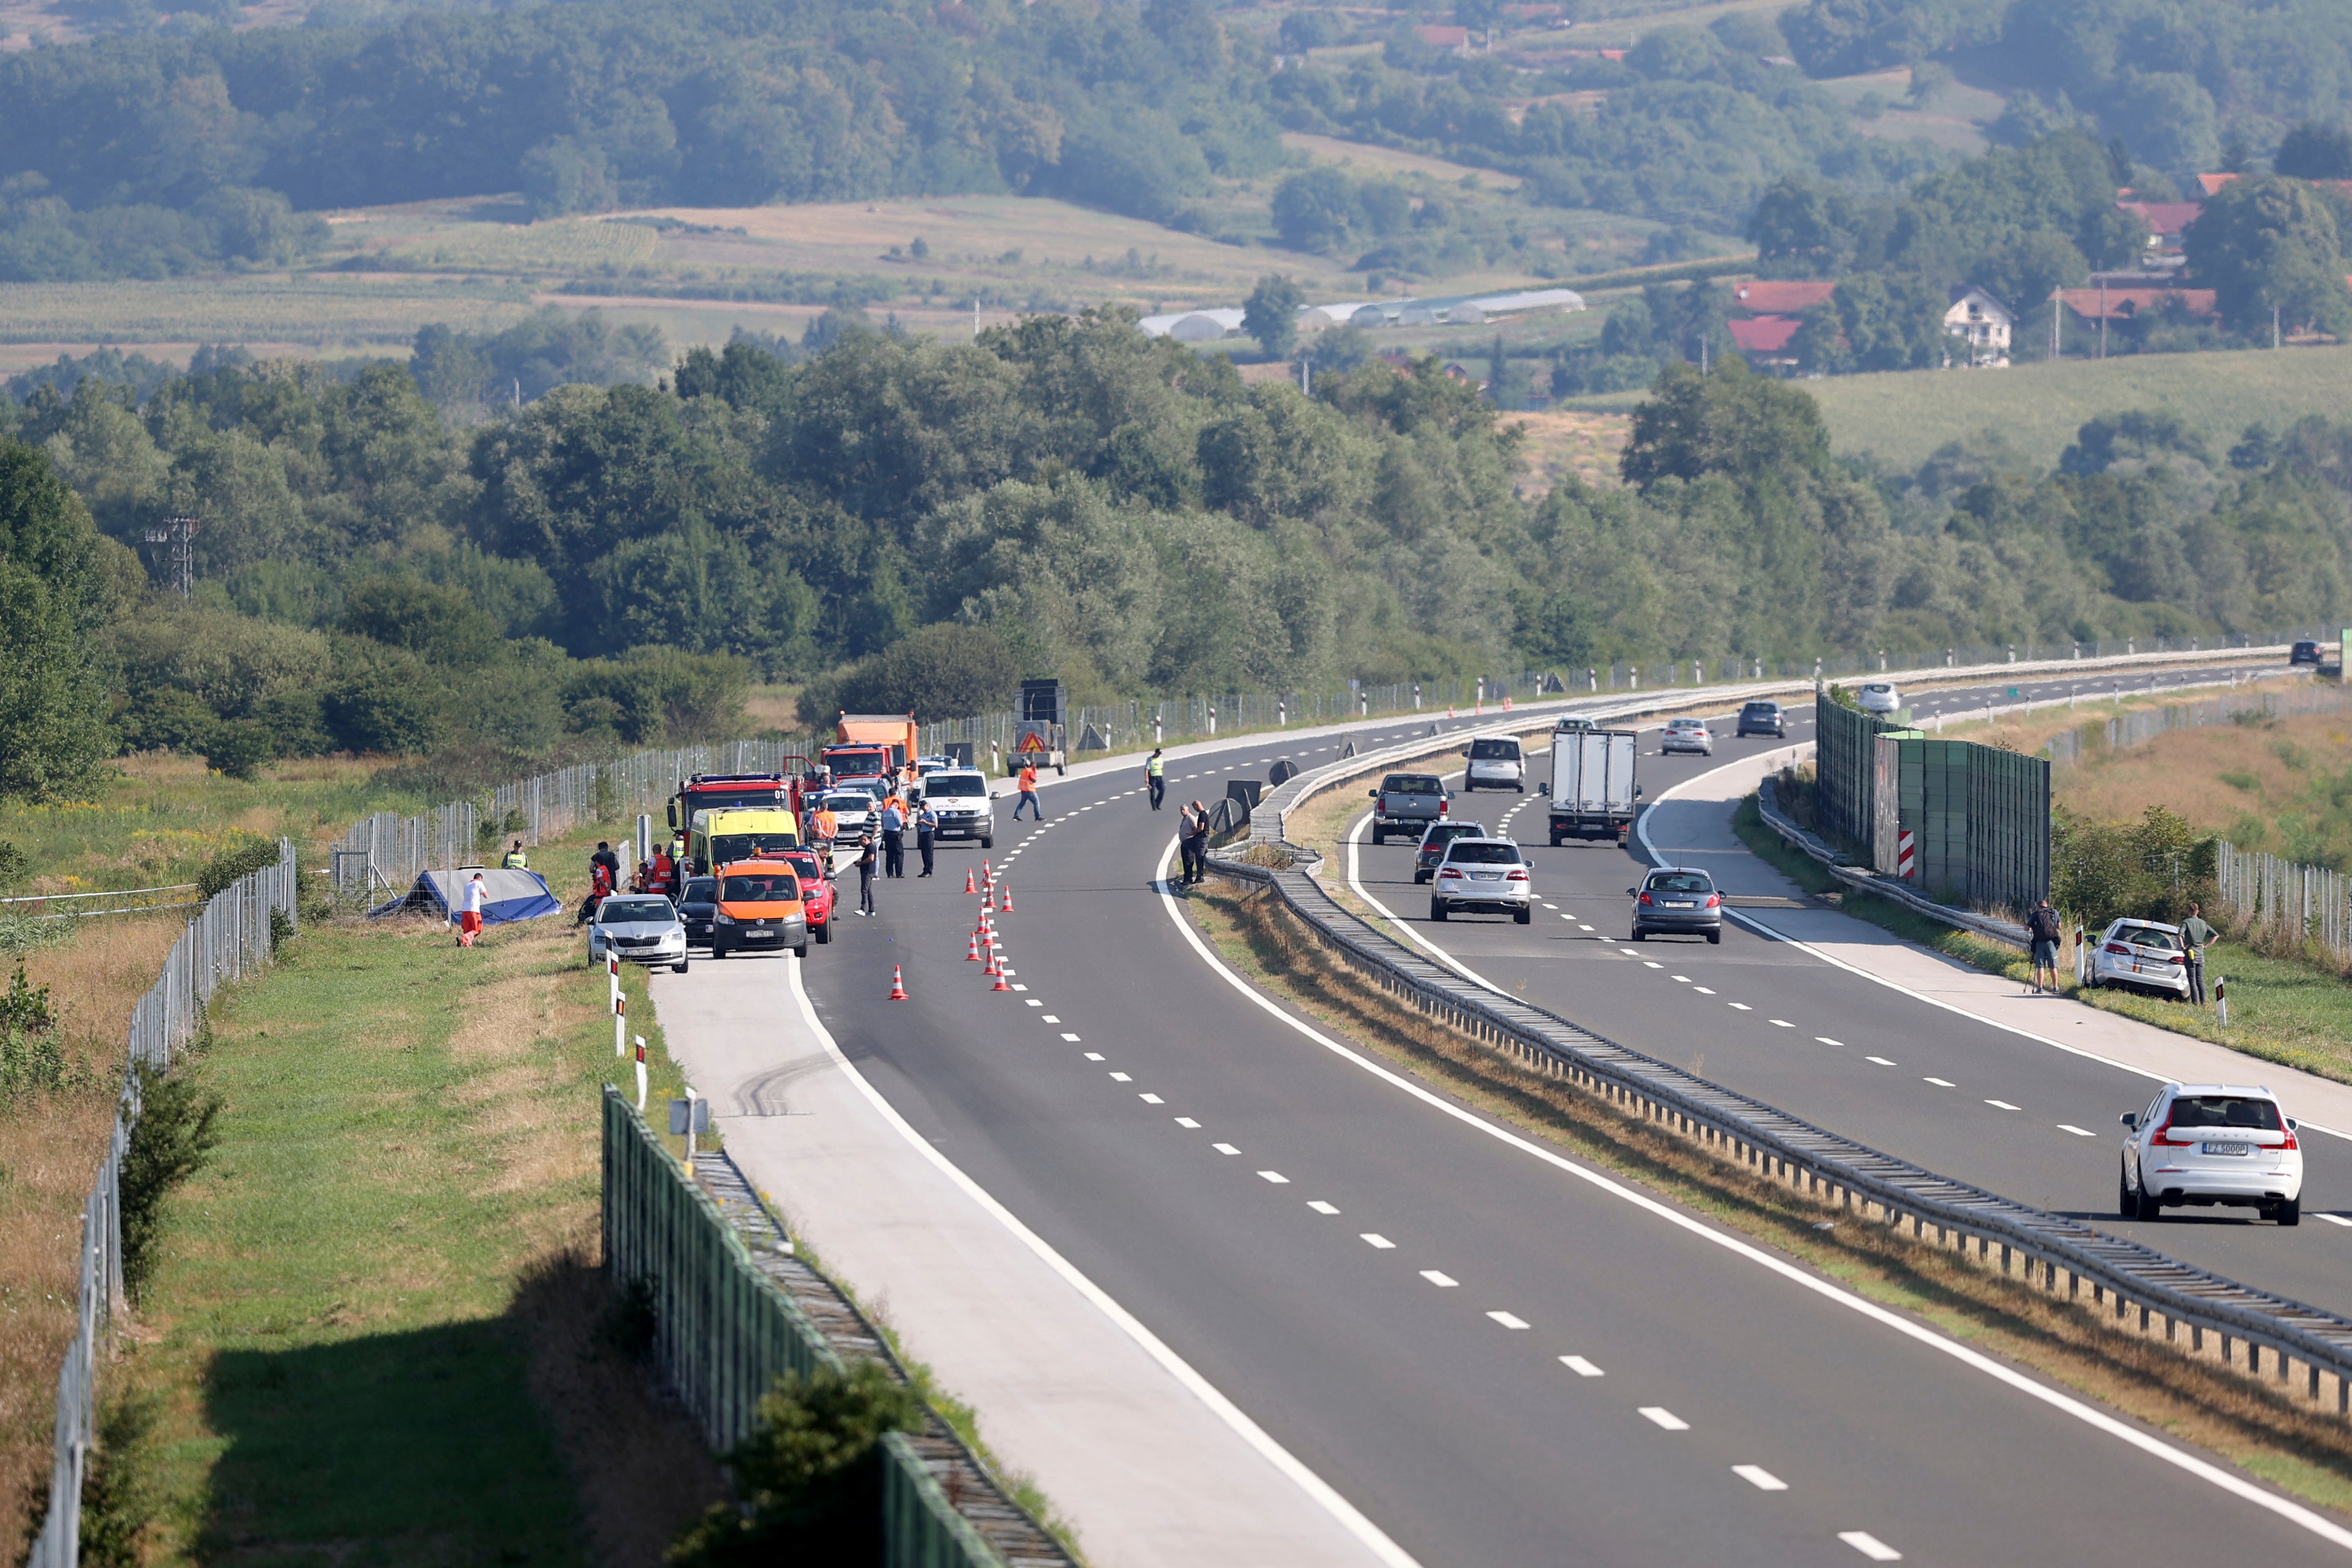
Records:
x=1983, y=323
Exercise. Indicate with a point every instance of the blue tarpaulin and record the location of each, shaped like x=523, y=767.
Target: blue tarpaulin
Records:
x=507, y=895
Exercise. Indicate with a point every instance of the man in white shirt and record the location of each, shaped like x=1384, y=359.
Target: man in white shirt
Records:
x=469, y=918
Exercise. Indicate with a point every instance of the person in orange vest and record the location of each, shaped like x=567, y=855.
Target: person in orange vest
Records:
x=664, y=871
x=1028, y=786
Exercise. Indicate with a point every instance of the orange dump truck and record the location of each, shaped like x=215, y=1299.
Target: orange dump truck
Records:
x=870, y=745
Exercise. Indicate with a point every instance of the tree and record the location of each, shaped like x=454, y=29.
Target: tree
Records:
x=949, y=670
x=1271, y=314
x=1803, y=231
x=53, y=732
x=2315, y=152
x=1317, y=209
x=1727, y=421
x=2272, y=244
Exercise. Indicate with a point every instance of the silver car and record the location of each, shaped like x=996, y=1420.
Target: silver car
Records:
x=638, y=928
x=1687, y=735
x=1485, y=875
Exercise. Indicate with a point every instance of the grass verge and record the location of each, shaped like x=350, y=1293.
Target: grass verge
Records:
x=2296, y=1014
x=2299, y=1450
x=374, y=1317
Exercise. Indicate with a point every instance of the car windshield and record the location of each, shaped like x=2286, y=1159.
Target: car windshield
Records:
x=855, y=802
x=2148, y=936
x=760, y=886
x=1494, y=751
x=698, y=889
x=619, y=912
x=1680, y=882
x=2227, y=1111
x=1478, y=854
x=955, y=784
x=1412, y=784
x=1880, y=687
x=726, y=846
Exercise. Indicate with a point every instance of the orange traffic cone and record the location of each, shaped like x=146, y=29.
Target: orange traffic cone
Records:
x=897, y=984
x=999, y=985
x=968, y=885
x=973, y=956
x=991, y=966
x=1007, y=905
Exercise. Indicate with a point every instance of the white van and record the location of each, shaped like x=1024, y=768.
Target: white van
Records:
x=1496, y=763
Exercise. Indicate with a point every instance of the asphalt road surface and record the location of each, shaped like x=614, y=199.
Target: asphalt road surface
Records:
x=1498, y=1356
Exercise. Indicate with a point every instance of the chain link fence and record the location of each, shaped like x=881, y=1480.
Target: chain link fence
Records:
x=2286, y=897
x=236, y=932
x=2069, y=749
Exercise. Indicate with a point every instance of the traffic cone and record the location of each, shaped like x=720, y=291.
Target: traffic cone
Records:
x=968, y=885
x=1449, y=710
x=897, y=984
x=991, y=967
x=999, y=985
x=1007, y=905
x=973, y=956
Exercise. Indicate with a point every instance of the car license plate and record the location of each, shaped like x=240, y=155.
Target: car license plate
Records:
x=760, y=935
x=2227, y=1148
x=1679, y=904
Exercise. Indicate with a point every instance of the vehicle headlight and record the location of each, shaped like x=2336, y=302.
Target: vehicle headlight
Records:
x=724, y=919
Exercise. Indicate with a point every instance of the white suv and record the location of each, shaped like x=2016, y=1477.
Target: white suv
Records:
x=960, y=798
x=2207, y=1144
x=2140, y=955
x=1487, y=875
x=1496, y=763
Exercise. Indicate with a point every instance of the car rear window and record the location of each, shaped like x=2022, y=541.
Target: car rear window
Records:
x=1683, y=724
x=1881, y=688
x=1761, y=709
x=2227, y=1111
x=2147, y=936
x=1413, y=784
x=1494, y=751
x=761, y=887
x=1475, y=854
x=1447, y=832
x=1680, y=882
x=614, y=911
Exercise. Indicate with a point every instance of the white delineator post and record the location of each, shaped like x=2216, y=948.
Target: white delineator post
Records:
x=641, y=1075
x=620, y=1024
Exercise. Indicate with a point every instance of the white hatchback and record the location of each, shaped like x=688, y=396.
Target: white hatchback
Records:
x=2206, y=1144
x=1879, y=697
x=2140, y=955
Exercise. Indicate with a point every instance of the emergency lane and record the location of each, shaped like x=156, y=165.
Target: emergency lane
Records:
x=1496, y=1357
x=1961, y=1097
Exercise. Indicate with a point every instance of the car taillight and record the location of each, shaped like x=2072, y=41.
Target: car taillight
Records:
x=1441, y=806
x=2118, y=948
x=2290, y=1142
x=1519, y=876
x=1645, y=897
x=2163, y=1136
x=1715, y=900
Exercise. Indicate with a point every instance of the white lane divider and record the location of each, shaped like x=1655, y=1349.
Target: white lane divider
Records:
x=1438, y=1278
x=1187, y=1123
x=1827, y=1041
x=2003, y=1105
x=1743, y=1007
x=1882, y=1061
x=1120, y=1077
x=2077, y=1131
x=1224, y=1148
x=1377, y=1242
x=1277, y=1177
x=2332, y=1219
x=1782, y=1024
x=1581, y=1367
x=1150, y=1100
x=1870, y=1546
x=1763, y=1479
x=1319, y=1206
x=1662, y=1417
x=1510, y=1320
x=1094, y=1056
x=1941, y=1082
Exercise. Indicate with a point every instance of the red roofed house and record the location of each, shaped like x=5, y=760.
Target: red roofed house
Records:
x=2213, y=183
x=2112, y=304
x=1787, y=298
x=1764, y=340
x=1444, y=38
x=2167, y=221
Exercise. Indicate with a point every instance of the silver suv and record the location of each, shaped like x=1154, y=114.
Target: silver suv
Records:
x=1488, y=876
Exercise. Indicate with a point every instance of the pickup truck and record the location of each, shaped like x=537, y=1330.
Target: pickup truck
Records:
x=1407, y=804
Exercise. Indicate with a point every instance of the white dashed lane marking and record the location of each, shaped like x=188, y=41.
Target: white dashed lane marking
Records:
x=1882, y=1061
x=1224, y=1148
x=1151, y=1098
x=1277, y=1177
x=1763, y=1479
x=1869, y=1545
x=1509, y=1319
x=1662, y=1417
x=1581, y=1367
x=2001, y=1105
x=1120, y=1077
x=1443, y=1280
x=1378, y=1243
x=1188, y=1122
x=2077, y=1131
x=1743, y=1007
x=1941, y=1082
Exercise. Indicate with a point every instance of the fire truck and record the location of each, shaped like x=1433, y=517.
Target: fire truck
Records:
x=716, y=791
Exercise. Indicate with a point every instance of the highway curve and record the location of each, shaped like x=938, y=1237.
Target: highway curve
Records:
x=1498, y=1357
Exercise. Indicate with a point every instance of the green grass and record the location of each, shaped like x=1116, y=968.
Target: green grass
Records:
x=318, y=310
x=2281, y=1011
x=341, y=1360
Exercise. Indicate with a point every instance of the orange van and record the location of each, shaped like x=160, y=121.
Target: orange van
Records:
x=759, y=907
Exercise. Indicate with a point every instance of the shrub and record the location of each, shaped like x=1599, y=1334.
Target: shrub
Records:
x=166, y=719
x=246, y=856
x=174, y=1137
x=239, y=747
x=2152, y=869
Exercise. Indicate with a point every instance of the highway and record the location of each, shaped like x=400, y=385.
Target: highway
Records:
x=1498, y=1356
x=1962, y=1098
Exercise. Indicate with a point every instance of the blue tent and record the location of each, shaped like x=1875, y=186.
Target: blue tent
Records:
x=508, y=895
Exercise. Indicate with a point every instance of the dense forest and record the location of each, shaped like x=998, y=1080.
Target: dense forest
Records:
x=920, y=524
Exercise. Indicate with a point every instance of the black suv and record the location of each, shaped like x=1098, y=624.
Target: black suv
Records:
x=1764, y=719
x=2304, y=652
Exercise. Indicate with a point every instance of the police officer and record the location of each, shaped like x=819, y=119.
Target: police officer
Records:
x=516, y=859
x=894, y=838
x=926, y=828
x=1155, y=774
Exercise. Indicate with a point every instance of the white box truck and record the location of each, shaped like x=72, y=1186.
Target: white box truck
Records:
x=1593, y=795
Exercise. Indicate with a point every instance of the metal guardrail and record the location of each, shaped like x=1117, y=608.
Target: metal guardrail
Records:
x=1891, y=888
x=729, y=1321
x=233, y=935
x=1852, y=1176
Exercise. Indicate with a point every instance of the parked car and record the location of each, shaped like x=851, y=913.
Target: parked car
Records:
x=1486, y=876
x=2141, y=954
x=638, y=928
x=760, y=910
x=853, y=809
x=1434, y=843
x=1687, y=735
x=1407, y=803
x=1879, y=697
x=1495, y=763
x=2210, y=1143
x=960, y=798
x=2303, y=652
x=1678, y=902
x=697, y=905
x=1763, y=718
x=817, y=891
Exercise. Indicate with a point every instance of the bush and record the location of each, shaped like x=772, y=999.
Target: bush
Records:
x=174, y=1137
x=239, y=747
x=810, y=1474
x=2150, y=870
x=297, y=723
x=949, y=670
x=242, y=858
x=166, y=719
x=383, y=700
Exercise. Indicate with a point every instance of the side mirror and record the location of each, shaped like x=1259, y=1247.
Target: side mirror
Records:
x=2292, y=1125
x=1637, y=791
x=1633, y=892
x=1373, y=793
x=2130, y=1119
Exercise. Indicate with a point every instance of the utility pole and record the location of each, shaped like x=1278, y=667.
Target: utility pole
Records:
x=2274, y=332
x=2103, y=317
x=180, y=533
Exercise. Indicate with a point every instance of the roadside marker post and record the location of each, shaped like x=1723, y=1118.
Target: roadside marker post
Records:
x=620, y=1024
x=2221, y=1001
x=641, y=1075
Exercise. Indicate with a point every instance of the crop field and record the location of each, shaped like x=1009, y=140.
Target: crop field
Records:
x=1362, y=158
x=562, y=245
x=1558, y=444
x=324, y=313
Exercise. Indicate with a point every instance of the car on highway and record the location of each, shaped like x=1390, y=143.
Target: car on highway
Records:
x=2207, y=1144
x=698, y=903
x=2141, y=955
x=1496, y=763
x=817, y=891
x=960, y=798
x=761, y=909
x=638, y=928
x=1483, y=875
x=1879, y=697
x=1687, y=735
x=1676, y=901
x=853, y=811
x=1407, y=803
x=1434, y=843
x=1573, y=722
x=1763, y=718
x=2305, y=651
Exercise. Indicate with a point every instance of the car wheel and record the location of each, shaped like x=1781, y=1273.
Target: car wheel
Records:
x=2289, y=1212
x=1437, y=910
x=2151, y=1207
x=717, y=951
x=1639, y=935
x=824, y=933
x=801, y=952
x=988, y=844
x=1523, y=916
x=1418, y=877
x=1379, y=837
x=1518, y=789
x=2127, y=1200
x=679, y=967
x=1715, y=936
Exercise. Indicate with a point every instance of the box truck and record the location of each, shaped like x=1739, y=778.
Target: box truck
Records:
x=1593, y=794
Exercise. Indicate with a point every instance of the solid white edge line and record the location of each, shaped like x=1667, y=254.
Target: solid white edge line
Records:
x=1345, y=1513
x=1354, y=885
x=2066, y=1404
x=1641, y=831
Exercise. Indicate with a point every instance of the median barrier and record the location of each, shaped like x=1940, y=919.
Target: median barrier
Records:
x=2123, y=1278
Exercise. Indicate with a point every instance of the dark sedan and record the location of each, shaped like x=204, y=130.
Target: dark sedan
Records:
x=1434, y=843
x=2303, y=652
x=1675, y=901
x=1764, y=719
x=698, y=907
